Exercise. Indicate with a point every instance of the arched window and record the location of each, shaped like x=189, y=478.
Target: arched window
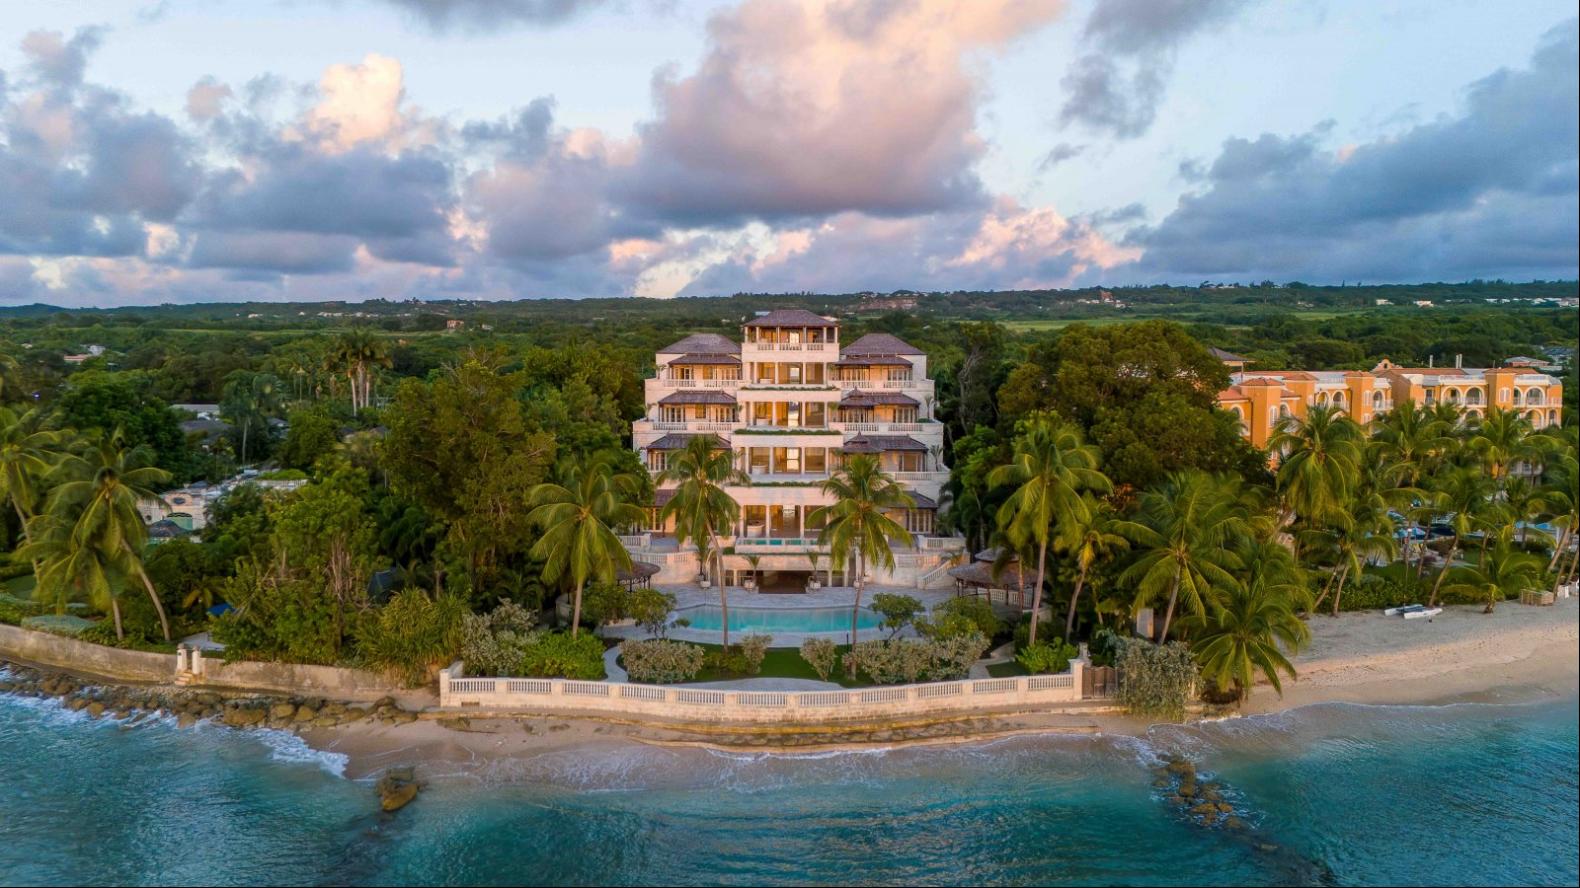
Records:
x=1338, y=398
x=1322, y=397
x=1377, y=401
x=1535, y=416
x=1452, y=396
x=1552, y=417
x=1473, y=396
x=1516, y=397
x=1533, y=396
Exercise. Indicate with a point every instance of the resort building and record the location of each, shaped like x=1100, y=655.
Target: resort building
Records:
x=1261, y=399
x=791, y=401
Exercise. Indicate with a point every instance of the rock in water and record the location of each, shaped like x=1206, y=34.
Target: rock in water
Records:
x=397, y=788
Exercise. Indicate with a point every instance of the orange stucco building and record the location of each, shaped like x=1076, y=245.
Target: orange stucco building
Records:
x=1261, y=399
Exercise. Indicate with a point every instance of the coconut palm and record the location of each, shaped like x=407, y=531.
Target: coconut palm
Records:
x=1321, y=463
x=577, y=519
x=1361, y=533
x=855, y=525
x=1184, y=542
x=67, y=568
x=1466, y=495
x=1256, y=629
x=1502, y=439
x=1050, y=469
x=250, y=399
x=1410, y=441
x=1502, y=572
x=28, y=451
x=1089, y=541
x=96, y=506
x=701, y=507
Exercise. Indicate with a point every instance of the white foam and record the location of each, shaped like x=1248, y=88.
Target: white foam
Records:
x=285, y=746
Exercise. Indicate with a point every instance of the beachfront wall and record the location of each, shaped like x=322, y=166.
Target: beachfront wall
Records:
x=710, y=705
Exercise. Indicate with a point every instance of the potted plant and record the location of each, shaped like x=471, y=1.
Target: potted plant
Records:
x=812, y=583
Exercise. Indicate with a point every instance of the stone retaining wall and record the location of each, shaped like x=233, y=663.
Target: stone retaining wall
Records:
x=189, y=667
x=679, y=703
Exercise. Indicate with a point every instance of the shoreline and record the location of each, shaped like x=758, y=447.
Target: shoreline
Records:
x=1517, y=654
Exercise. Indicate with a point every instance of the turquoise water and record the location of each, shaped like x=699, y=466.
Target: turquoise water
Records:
x=1342, y=795
x=784, y=620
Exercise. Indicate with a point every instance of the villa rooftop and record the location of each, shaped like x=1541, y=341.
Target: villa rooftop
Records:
x=790, y=317
x=879, y=344
x=678, y=441
x=689, y=396
x=703, y=343
x=859, y=398
x=706, y=358
x=881, y=443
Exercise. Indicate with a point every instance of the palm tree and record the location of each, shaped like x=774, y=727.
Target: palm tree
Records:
x=701, y=507
x=28, y=452
x=67, y=568
x=1466, y=493
x=1089, y=541
x=577, y=519
x=98, y=504
x=1184, y=542
x=1502, y=572
x=1051, y=467
x=1361, y=533
x=9, y=369
x=356, y=352
x=856, y=523
x=1409, y=441
x=250, y=398
x=1502, y=439
x=1256, y=628
x=1322, y=461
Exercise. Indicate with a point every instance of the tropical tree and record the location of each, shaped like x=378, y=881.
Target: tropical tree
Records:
x=1184, y=542
x=1466, y=495
x=1502, y=439
x=701, y=507
x=1410, y=442
x=856, y=524
x=67, y=568
x=96, y=506
x=1256, y=628
x=1088, y=541
x=249, y=400
x=1050, y=469
x=28, y=452
x=1361, y=533
x=1321, y=463
x=1501, y=572
x=578, y=518
x=356, y=353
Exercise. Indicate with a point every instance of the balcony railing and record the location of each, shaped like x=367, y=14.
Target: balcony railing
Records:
x=691, y=426
x=670, y=383
x=775, y=544
x=886, y=426
x=900, y=384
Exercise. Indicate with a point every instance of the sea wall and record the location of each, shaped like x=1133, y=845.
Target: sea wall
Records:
x=189, y=667
x=713, y=706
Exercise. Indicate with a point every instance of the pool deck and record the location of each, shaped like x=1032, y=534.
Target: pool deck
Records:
x=835, y=596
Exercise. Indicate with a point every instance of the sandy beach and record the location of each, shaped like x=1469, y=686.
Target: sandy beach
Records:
x=1516, y=653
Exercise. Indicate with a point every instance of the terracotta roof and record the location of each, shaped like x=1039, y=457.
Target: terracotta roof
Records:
x=707, y=396
x=703, y=343
x=880, y=344
x=859, y=398
x=790, y=317
x=1281, y=374
x=880, y=443
x=677, y=441
x=706, y=358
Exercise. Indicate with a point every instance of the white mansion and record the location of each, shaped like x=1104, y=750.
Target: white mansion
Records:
x=790, y=401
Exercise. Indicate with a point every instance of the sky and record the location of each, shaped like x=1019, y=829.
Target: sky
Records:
x=157, y=151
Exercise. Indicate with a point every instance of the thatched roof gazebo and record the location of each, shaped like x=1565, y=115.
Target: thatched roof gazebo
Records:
x=978, y=578
x=639, y=574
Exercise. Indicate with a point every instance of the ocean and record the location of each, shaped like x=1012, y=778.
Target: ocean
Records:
x=1333, y=794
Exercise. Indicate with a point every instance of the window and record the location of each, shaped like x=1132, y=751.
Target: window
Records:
x=817, y=460
x=787, y=460
x=816, y=415
x=814, y=374
x=759, y=457
x=762, y=413
x=789, y=374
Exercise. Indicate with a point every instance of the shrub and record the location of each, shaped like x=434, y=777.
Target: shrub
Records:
x=897, y=611
x=661, y=661
x=962, y=616
x=1156, y=679
x=611, y=603
x=754, y=648
x=898, y=661
x=562, y=655
x=1375, y=592
x=1049, y=657
x=1045, y=630
x=494, y=644
x=1103, y=647
x=413, y=635
x=14, y=610
x=822, y=655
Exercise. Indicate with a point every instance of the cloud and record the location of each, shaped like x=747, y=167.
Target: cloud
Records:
x=1116, y=87
x=206, y=99
x=810, y=108
x=1059, y=154
x=17, y=285
x=1490, y=190
x=478, y=15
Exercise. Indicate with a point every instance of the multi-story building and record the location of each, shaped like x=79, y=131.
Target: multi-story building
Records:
x=791, y=401
x=1263, y=398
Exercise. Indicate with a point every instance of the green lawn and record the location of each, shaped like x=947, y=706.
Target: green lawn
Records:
x=778, y=663
x=1007, y=670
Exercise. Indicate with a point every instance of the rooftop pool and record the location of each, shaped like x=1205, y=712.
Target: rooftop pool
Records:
x=785, y=620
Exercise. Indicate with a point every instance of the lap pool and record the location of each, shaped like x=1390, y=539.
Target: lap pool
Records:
x=769, y=620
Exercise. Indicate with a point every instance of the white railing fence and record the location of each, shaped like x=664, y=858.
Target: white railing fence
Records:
x=710, y=705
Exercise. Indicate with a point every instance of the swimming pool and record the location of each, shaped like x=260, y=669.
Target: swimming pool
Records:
x=769, y=620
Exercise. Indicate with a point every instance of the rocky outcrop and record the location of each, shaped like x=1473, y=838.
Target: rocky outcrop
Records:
x=397, y=788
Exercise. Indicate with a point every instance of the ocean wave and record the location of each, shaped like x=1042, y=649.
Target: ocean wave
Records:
x=285, y=746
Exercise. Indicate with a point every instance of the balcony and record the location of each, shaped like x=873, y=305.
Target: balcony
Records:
x=887, y=427
x=891, y=384
x=691, y=426
x=758, y=545
x=668, y=383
